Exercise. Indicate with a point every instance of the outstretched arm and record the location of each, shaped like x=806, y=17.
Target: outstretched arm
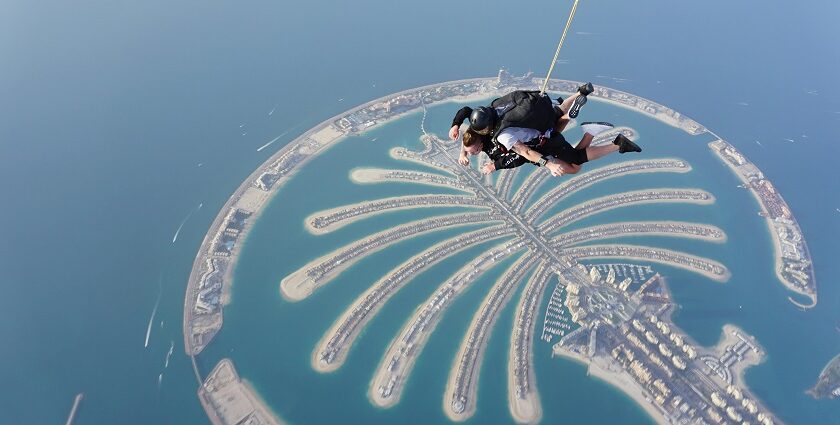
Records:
x=460, y=116
x=463, y=158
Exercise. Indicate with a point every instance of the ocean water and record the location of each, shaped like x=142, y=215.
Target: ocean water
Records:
x=118, y=119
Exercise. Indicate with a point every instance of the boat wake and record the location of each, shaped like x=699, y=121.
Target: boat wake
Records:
x=272, y=141
x=175, y=238
x=152, y=318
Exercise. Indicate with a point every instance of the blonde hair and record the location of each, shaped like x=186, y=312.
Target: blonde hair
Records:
x=470, y=138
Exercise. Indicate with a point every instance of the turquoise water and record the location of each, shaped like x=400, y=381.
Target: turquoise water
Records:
x=107, y=110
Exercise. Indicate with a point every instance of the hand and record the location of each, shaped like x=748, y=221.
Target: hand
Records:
x=454, y=132
x=488, y=168
x=555, y=168
x=464, y=160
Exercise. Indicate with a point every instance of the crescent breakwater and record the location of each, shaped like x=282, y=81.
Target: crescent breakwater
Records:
x=794, y=267
x=209, y=285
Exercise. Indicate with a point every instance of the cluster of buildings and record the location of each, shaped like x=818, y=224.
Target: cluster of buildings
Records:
x=627, y=228
x=344, y=334
x=705, y=266
x=628, y=336
x=427, y=178
x=203, y=312
x=794, y=267
x=278, y=168
x=323, y=221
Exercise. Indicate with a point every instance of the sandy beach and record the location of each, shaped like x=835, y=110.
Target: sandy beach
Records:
x=523, y=411
x=621, y=381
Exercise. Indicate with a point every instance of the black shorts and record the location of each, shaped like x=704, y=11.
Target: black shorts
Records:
x=558, y=147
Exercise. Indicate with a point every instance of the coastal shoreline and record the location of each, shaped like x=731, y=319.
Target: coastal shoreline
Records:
x=620, y=381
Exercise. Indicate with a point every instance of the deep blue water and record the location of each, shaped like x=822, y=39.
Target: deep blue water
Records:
x=107, y=108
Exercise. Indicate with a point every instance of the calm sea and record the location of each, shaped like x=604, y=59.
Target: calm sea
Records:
x=117, y=119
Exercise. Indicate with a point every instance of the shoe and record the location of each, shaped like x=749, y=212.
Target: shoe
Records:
x=625, y=145
x=586, y=89
x=596, y=128
x=576, y=105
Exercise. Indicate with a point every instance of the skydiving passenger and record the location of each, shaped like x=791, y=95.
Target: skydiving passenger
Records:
x=551, y=151
x=516, y=128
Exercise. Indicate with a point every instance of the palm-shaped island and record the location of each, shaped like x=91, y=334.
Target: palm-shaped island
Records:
x=619, y=325
x=539, y=244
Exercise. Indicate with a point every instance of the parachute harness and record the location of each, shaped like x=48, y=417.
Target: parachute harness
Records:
x=557, y=53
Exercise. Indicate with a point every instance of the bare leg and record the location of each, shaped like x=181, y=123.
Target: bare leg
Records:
x=564, y=107
x=561, y=123
x=595, y=152
x=567, y=104
x=585, y=141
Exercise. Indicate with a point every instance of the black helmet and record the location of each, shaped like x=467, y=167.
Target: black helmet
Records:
x=482, y=120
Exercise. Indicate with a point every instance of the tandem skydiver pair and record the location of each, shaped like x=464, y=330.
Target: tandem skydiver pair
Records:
x=526, y=127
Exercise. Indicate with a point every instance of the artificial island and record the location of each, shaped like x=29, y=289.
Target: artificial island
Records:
x=611, y=323
x=828, y=383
